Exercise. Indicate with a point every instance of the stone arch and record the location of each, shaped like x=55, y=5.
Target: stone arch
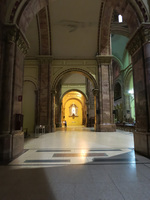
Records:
x=28, y=11
x=116, y=65
x=32, y=80
x=128, y=12
x=75, y=90
x=74, y=70
x=127, y=77
x=29, y=105
x=75, y=99
x=117, y=91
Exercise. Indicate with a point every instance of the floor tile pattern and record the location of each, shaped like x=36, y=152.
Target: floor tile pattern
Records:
x=112, y=171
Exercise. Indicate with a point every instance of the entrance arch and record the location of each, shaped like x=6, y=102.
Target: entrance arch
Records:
x=74, y=109
x=74, y=70
x=57, y=82
x=76, y=90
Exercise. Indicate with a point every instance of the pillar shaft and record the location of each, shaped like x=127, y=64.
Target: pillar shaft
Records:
x=7, y=87
x=139, y=48
x=105, y=94
x=15, y=47
x=97, y=109
x=53, y=123
x=44, y=114
x=147, y=78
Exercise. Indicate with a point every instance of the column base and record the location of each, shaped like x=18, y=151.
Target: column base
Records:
x=5, y=147
x=11, y=145
x=18, y=143
x=107, y=127
x=97, y=127
x=53, y=128
x=142, y=143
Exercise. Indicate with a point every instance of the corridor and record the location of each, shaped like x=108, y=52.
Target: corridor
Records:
x=77, y=164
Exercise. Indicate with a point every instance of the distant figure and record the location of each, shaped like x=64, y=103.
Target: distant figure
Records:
x=65, y=123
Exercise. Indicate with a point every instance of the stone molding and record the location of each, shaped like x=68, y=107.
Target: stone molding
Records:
x=140, y=37
x=45, y=59
x=64, y=71
x=104, y=59
x=13, y=34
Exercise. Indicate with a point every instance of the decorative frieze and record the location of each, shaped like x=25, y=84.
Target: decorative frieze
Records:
x=22, y=44
x=12, y=34
x=141, y=36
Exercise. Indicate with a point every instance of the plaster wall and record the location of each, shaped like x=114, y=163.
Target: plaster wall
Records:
x=73, y=121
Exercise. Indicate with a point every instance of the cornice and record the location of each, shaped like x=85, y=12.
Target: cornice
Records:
x=45, y=59
x=104, y=59
x=139, y=38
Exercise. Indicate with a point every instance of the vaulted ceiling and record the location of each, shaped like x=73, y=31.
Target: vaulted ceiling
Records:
x=73, y=29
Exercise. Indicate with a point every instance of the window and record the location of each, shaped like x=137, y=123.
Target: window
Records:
x=120, y=18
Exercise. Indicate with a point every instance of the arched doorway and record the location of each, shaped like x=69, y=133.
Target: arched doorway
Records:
x=129, y=100
x=29, y=105
x=74, y=99
x=74, y=109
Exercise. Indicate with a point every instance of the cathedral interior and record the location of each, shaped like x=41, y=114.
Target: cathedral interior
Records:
x=83, y=62
x=74, y=99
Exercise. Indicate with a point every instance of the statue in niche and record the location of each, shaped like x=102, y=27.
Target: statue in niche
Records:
x=73, y=109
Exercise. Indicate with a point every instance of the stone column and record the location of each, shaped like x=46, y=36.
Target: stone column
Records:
x=127, y=107
x=87, y=114
x=97, y=109
x=53, y=124
x=60, y=114
x=58, y=106
x=87, y=103
x=6, y=98
x=106, y=94
x=139, y=48
x=44, y=114
x=90, y=103
x=15, y=48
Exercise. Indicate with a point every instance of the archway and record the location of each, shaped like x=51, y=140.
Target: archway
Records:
x=74, y=109
x=29, y=105
x=129, y=94
x=74, y=89
x=118, y=103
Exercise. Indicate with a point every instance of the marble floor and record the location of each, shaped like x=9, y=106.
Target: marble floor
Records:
x=77, y=164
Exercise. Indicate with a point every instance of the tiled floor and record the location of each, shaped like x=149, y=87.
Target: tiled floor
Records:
x=77, y=164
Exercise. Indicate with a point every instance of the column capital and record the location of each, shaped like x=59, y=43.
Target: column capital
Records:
x=53, y=92
x=104, y=59
x=10, y=32
x=95, y=91
x=45, y=59
x=139, y=38
x=13, y=34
